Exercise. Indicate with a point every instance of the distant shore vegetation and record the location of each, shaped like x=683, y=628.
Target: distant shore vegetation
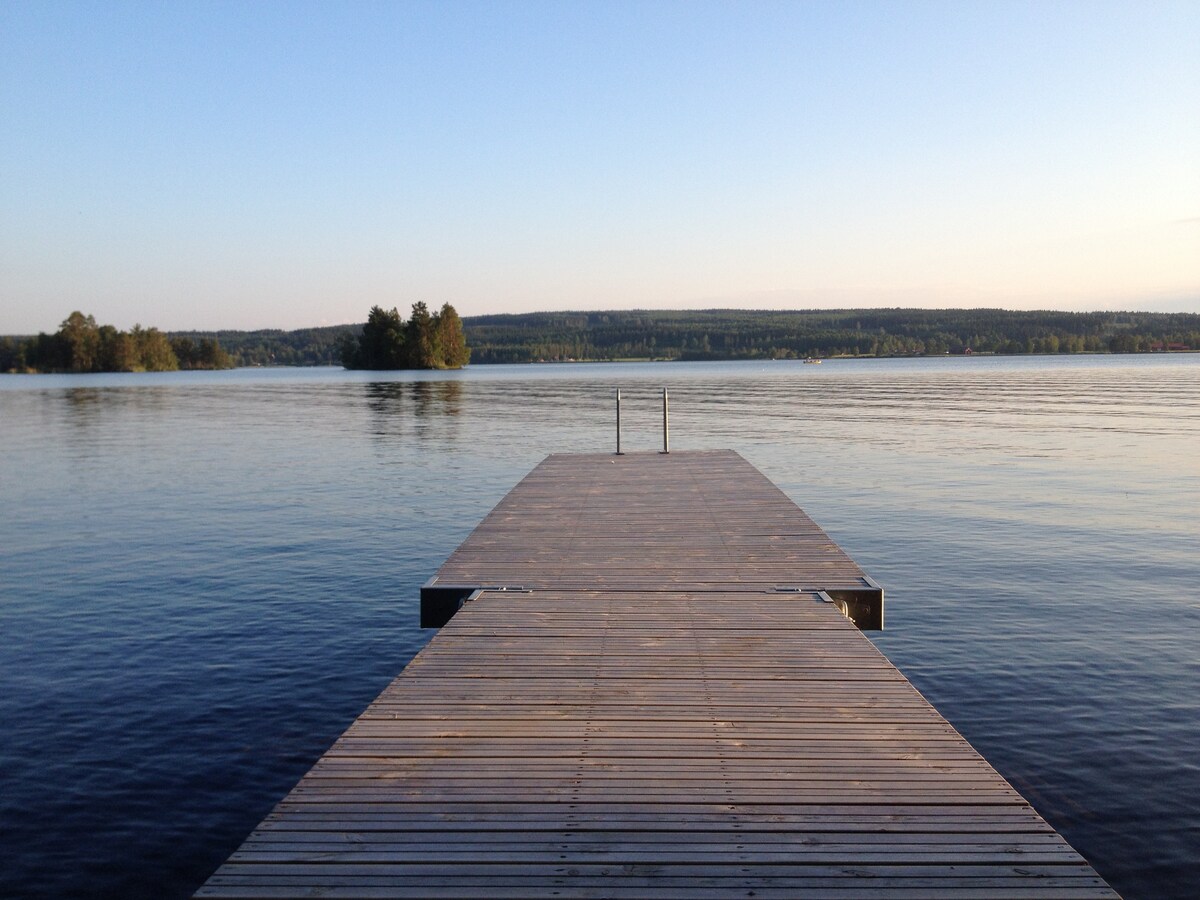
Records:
x=80, y=345
x=770, y=334
x=645, y=334
x=426, y=341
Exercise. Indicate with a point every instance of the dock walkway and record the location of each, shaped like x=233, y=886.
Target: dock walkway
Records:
x=665, y=700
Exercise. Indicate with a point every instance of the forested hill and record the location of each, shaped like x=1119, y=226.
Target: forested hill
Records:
x=740, y=334
x=272, y=347
x=755, y=334
x=744, y=334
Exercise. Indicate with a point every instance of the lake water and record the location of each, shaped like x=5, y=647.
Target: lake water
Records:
x=205, y=577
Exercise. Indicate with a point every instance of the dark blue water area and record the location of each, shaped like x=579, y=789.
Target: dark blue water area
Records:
x=204, y=580
x=199, y=596
x=1066, y=653
x=1067, y=674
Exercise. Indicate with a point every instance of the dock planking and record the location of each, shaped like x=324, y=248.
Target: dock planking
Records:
x=699, y=520
x=652, y=740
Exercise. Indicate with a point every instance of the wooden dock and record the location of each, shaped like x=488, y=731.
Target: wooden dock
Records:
x=649, y=522
x=665, y=701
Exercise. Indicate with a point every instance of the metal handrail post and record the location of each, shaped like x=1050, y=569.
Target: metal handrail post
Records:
x=666, y=428
x=619, y=453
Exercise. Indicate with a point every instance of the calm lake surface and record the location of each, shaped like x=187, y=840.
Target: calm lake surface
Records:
x=205, y=577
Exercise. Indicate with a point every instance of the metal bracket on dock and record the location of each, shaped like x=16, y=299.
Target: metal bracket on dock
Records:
x=862, y=605
x=439, y=602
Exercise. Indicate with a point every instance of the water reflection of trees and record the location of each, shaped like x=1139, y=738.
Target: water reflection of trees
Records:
x=385, y=397
x=83, y=404
x=397, y=403
x=86, y=406
x=430, y=398
x=436, y=398
x=91, y=419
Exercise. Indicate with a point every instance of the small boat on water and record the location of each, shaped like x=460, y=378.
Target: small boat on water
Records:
x=812, y=360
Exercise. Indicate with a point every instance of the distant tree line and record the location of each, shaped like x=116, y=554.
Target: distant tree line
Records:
x=768, y=334
x=636, y=334
x=274, y=347
x=80, y=345
x=426, y=341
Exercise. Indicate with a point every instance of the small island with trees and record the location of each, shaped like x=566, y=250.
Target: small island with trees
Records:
x=426, y=341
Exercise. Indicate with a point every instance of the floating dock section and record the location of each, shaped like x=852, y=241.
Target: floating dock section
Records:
x=700, y=521
x=650, y=684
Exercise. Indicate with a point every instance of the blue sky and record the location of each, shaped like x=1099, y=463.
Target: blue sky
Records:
x=257, y=164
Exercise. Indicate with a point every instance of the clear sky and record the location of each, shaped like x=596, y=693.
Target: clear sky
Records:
x=262, y=164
